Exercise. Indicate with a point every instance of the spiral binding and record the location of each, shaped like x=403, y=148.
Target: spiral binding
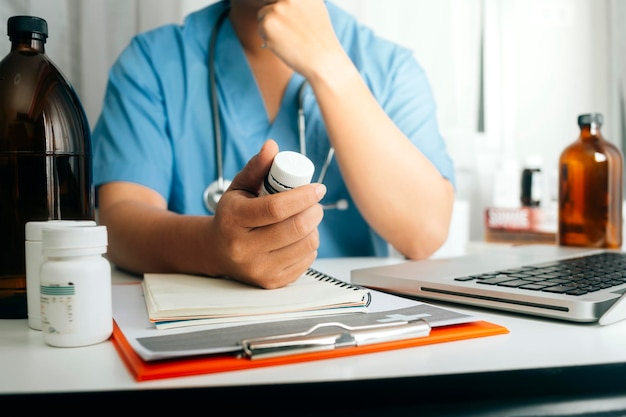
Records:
x=320, y=276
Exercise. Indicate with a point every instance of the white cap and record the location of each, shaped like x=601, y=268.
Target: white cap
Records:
x=290, y=170
x=533, y=162
x=34, y=228
x=74, y=240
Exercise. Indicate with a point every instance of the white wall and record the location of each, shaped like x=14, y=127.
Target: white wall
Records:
x=555, y=63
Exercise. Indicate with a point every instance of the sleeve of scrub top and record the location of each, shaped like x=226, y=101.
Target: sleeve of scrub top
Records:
x=403, y=90
x=130, y=139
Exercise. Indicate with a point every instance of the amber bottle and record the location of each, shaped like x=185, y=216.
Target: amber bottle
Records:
x=45, y=153
x=590, y=189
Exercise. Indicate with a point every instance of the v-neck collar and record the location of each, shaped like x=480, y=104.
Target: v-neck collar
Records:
x=239, y=94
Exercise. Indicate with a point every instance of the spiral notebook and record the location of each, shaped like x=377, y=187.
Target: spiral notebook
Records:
x=178, y=300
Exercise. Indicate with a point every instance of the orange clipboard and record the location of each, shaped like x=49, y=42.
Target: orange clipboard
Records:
x=197, y=365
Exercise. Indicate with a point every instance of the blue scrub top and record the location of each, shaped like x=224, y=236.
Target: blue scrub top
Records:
x=156, y=125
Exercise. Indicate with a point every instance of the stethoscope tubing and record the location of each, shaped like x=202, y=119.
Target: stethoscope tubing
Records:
x=217, y=132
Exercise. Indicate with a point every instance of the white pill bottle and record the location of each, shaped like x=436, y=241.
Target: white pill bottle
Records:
x=34, y=259
x=75, y=291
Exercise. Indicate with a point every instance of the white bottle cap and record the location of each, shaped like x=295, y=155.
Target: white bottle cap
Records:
x=290, y=170
x=533, y=162
x=34, y=228
x=74, y=241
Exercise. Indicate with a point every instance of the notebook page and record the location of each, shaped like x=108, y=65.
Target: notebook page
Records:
x=183, y=296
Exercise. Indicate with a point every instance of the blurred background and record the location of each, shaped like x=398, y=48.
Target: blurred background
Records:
x=510, y=76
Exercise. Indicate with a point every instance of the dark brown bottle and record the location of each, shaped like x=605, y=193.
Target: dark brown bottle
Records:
x=532, y=183
x=45, y=153
x=590, y=189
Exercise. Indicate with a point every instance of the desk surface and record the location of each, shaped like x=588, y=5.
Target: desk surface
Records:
x=539, y=357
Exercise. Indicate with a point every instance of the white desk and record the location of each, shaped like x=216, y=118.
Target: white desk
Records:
x=588, y=359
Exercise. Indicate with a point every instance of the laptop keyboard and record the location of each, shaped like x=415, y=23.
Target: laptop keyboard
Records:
x=576, y=276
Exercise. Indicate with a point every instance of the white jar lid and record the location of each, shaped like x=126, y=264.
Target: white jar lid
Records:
x=58, y=240
x=34, y=228
x=292, y=169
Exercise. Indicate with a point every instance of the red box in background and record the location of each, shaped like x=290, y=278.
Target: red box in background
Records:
x=520, y=224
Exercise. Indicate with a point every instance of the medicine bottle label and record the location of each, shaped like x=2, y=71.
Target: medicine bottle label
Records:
x=57, y=308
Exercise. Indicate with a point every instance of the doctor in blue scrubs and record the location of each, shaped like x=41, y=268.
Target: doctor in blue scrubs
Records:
x=196, y=106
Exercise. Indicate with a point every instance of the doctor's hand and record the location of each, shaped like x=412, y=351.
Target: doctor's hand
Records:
x=266, y=241
x=300, y=33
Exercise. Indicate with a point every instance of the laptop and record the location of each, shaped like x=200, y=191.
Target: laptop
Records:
x=582, y=285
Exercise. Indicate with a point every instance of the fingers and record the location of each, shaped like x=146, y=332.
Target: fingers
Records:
x=271, y=209
x=261, y=225
x=266, y=210
x=249, y=179
x=283, y=266
x=294, y=228
x=271, y=255
x=298, y=31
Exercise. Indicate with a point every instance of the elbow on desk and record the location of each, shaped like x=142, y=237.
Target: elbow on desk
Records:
x=429, y=241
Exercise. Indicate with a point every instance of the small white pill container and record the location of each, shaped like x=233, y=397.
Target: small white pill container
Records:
x=76, y=305
x=289, y=170
x=34, y=259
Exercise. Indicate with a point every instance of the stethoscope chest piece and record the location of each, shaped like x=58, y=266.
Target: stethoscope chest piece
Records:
x=213, y=193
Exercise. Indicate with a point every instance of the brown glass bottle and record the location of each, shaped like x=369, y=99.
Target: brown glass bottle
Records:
x=590, y=189
x=45, y=153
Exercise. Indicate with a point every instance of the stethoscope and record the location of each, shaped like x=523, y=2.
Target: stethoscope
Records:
x=216, y=189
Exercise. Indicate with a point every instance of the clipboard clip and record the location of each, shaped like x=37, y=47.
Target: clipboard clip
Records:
x=348, y=336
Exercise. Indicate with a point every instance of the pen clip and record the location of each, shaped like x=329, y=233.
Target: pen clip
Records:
x=280, y=345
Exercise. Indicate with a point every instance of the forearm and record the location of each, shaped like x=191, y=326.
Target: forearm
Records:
x=143, y=238
x=398, y=190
